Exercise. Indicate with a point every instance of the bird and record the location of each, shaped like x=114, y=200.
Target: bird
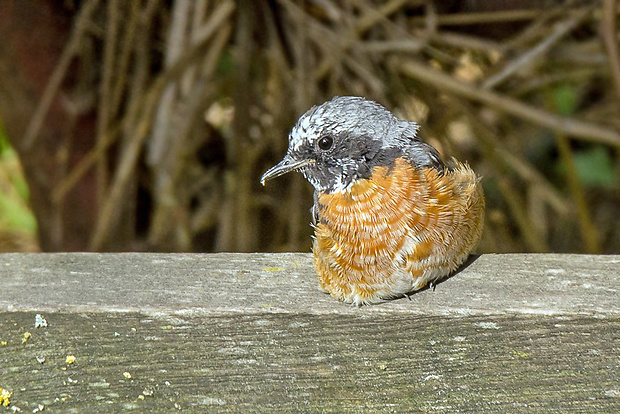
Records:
x=390, y=217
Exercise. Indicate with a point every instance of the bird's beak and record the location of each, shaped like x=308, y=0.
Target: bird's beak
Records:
x=288, y=164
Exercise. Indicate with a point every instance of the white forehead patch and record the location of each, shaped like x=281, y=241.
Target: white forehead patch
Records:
x=305, y=123
x=296, y=138
x=301, y=133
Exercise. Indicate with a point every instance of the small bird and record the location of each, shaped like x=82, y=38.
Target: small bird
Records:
x=390, y=216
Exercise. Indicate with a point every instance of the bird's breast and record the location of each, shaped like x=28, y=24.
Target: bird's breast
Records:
x=376, y=238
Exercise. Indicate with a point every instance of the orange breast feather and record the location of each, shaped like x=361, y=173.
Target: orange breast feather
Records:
x=397, y=231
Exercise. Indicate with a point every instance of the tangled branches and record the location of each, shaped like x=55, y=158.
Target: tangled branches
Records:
x=193, y=102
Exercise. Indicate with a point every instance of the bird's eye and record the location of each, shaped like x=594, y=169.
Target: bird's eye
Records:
x=326, y=142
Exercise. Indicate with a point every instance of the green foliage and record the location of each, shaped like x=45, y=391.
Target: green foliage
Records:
x=566, y=99
x=594, y=164
x=226, y=64
x=596, y=168
x=15, y=213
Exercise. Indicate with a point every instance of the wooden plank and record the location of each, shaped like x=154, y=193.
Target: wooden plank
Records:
x=297, y=363
x=251, y=283
x=232, y=332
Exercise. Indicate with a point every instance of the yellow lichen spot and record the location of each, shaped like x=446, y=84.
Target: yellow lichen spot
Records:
x=26, y=337
x=3, y=343
x=272, y=269
x=5, y=396
x=520, y=354
x=70, y=359
x=127, y=375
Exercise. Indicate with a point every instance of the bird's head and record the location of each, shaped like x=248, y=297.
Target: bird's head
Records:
x=340, y=141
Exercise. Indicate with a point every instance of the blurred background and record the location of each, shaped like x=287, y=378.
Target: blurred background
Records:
x=145, y=125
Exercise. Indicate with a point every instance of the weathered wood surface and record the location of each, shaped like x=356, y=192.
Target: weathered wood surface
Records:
x=251, y=332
